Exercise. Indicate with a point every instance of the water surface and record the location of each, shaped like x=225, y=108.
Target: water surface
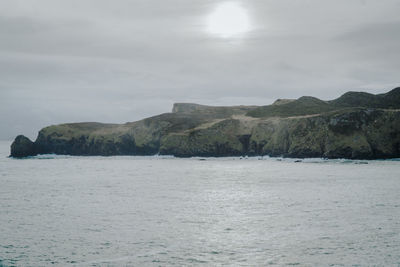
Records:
x=161, y=211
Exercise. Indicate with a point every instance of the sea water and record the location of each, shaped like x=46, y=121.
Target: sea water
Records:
x=165, y=211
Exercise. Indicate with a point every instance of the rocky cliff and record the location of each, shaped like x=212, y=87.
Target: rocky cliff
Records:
x=356, y=125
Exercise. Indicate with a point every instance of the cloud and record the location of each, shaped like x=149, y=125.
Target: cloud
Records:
x=64, y=61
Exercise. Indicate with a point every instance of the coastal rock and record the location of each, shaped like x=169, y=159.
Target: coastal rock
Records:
x=22, y=147
x=223, y=138
x=355, y=126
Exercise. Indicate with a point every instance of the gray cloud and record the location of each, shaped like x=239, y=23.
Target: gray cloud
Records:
x=118, y=61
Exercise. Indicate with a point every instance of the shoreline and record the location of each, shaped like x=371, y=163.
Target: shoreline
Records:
x=201, y=158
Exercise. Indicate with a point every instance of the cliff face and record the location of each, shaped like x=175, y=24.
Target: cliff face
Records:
x=355, y=134
x=306, y=127
x=359, y=133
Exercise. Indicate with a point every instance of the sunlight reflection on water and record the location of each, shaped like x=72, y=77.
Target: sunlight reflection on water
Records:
x=166, y=211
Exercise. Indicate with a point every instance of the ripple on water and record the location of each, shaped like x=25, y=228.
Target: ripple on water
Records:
x=142, y=211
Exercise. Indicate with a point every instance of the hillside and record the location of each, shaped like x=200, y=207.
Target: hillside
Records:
x=310, y=105
x=355, y=125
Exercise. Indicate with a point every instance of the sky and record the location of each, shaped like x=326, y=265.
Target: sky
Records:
x=119, y=61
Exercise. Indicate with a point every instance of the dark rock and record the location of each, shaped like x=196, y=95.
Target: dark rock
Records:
x=22, y=147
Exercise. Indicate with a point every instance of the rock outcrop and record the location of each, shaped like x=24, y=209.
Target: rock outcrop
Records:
x=355, y=126
x=22, y=147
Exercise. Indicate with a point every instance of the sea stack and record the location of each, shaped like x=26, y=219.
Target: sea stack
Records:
x=22, y=147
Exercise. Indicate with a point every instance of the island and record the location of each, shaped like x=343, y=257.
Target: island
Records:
x=357, y=125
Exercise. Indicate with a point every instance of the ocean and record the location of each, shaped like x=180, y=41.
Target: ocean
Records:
x=165, y=211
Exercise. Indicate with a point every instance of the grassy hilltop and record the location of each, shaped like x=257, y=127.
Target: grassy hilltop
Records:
x=308, y=105
x=355, y=125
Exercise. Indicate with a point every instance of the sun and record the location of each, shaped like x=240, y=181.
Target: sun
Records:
x=228, y=19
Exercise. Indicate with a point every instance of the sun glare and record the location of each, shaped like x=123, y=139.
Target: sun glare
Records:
x=228, y=20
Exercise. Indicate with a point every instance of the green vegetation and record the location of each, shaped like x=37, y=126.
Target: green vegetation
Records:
x=311, y=105
x=305, y=105
x=355, y=125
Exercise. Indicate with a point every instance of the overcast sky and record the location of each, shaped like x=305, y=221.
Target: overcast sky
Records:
x=120, y=60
